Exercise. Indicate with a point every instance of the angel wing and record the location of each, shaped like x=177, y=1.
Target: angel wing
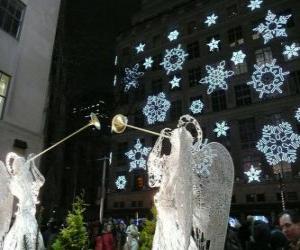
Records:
x=6, y=202
x=212, y=193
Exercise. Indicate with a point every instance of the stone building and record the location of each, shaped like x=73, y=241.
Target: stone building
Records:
x=240, y=106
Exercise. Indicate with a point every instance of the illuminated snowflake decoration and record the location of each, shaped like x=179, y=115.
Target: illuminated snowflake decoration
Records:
x=279, y=143
x=196, y=106
x=273, y=27
x=173, y=59
x=210, y=20
x=291, y=51
x=121, y=182
x=115, y=80
x=216, y=77
x=148, y=62
x=173, y=35
x=221, y=128
x=253, y=174
x=297, y=115
x=140, y=48
x=137, y=156
x=131, y=77
x=267, y=78
x=156, y=108
x=213, y=44
x=255, y=4
x=238, y=57
x=175, y=82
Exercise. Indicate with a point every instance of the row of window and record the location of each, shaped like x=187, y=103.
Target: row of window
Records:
x=133, y=204
x=4, y=82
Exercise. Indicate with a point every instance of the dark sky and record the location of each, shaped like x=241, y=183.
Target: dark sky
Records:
x=91, y=30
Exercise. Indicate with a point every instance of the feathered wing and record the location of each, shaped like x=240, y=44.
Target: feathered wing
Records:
x=6, y=202
x=212, y=193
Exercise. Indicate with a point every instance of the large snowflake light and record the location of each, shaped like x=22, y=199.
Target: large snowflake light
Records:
x=196, y=106
x=132, y=76
x=175, y=82
x=156, y=108
x=221, y=128
x=255, y=4
x=137, y=156
x=148, y=62
x=279, y=143
x=267, y=78
x=173, y=59
x=121, y=182
x=210, y=20
x=291, y=50
x=297, y=115
x=238, y=57
x=216, y=77
x=140, y=48
x=253, y=174
x=173, y=35
x=273, y=27
x=213, y=44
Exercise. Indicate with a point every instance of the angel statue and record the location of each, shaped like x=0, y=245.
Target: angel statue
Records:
x=195, y=186
x=21, y=179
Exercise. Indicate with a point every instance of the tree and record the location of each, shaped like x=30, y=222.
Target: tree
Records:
x=74, y=236
x=148, y=231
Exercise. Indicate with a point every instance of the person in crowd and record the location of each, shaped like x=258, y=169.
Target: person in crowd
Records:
x=260, y=236
x=232, y=241
x=278, y=240
x=132, y=232
x=105, y=241
x=120, y=235
x=289, y=221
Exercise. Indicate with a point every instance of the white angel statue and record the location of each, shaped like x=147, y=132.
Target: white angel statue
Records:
x=24, y=182
x=195, y=186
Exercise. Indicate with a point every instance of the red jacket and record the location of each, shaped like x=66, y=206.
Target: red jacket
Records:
x=105, y=242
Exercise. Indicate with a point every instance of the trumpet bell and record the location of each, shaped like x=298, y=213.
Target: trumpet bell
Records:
x=95, y=121
x=119, y=123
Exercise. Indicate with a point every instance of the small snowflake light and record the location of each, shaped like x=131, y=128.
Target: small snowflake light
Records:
x=253, y=174
x=175, y=82
x=140, y=48
x=196, y=106
x=156, y=108
x=131, y=77
x=216, y=77
x=255, y=4
x=279, y=143
x=291, y=50
x=121, y=182
x=221, y=128
x=297, y=115
x=148, y=62
x=273, y=27
x=173, y=59
x=137, y=156
x=213, y=44
x=238, y=57
x=210, y=20
x=267, y=78
x=173, y=35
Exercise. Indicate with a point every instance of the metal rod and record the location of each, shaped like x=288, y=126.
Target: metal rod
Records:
x=148, y=131
x=102, y=191
x=59, y=142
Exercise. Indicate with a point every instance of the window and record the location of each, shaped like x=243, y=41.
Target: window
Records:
x=11, y=16
x=235, y=36
x=133, y=203
x=191, y=27
x=232, y=10
x=242, y=95
x=4, y=81
x=116, y=204
x=122, y=204
x=193, y=50
x=140, y=204
x=263, y=56
x=250, y=198
x=155, y=41
x=260, y=197
x=176, y=110
x=294, y=82
x=218, y=100
x=157, y=86
x=156, y=62
x=292, y=196
x=247, y=133
x=122, y=149
x=240, y=68
x=194, y=76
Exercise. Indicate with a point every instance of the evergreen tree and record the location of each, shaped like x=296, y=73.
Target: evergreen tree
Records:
x=148, y=231
x=74, y=236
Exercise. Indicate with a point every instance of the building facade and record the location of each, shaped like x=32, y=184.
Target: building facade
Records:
x=241, y=106
x=27, y=31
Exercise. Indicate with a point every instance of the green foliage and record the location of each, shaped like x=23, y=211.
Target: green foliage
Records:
x=74, y=236
x=147, y=234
